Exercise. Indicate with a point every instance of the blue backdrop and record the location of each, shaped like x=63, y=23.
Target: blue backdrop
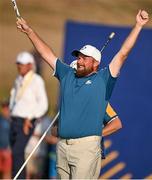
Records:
x=129, y=150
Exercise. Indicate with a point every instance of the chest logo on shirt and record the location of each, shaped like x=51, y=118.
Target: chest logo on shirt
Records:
x=88, y=82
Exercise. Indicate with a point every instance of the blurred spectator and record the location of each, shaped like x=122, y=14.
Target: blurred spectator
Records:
x=52, y=140
x=5, y=153
x=52, y=173
x=28, y=102
x=36, y=164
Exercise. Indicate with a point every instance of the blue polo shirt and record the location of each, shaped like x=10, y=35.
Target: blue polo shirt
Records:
x=83, y=101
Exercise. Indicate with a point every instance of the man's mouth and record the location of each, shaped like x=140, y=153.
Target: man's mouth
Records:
x=80, y=66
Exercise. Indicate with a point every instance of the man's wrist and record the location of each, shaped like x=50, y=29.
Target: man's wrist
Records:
x=29, y=32
x=139, y=26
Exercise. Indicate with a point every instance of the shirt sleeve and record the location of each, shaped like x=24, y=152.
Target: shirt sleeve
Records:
x=109, y=115
x=109, y=81
x=61, y=69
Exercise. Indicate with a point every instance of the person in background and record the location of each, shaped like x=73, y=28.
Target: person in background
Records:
x=52, y=141
x=36, y=166
x=111, y=124
x=28, y=102
x=5, y=152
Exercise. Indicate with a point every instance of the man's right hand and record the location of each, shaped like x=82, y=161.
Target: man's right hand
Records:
x=44, y=50
x=23, y=26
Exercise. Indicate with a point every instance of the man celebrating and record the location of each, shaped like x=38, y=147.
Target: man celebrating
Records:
x=85, y=93
x=28, y=102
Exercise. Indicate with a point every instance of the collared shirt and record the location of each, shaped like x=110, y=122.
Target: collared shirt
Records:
x=83, y=101
x=28, y=97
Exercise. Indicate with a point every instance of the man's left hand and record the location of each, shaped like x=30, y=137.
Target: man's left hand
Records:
x=142, y=17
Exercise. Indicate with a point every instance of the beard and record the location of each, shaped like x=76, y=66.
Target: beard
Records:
x=82, y=71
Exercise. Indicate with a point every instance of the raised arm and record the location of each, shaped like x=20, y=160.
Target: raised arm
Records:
x=119, y=59
x=44, y=50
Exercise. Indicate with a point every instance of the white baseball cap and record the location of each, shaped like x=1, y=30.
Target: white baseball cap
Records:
x=25, y=58
x=89, y=50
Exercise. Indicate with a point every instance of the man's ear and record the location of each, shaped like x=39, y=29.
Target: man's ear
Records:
x=95, y=65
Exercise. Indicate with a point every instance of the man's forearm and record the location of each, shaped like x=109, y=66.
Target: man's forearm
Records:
x=122, y=54
x=119, y=59
x=44, y=50
x=130, y=41
x=112, y=127
x=141, y=19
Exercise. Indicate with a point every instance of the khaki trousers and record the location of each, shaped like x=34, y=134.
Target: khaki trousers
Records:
x=79, y=158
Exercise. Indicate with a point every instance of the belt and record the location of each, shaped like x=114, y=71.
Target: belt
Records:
x=80, y=140
x=21, y=120
x=17, y=117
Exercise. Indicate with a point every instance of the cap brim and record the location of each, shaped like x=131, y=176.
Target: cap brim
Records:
x=75, y=53
x=24, y=63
